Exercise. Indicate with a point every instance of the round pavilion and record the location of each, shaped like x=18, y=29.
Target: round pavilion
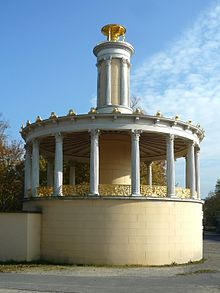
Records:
x=114, y=219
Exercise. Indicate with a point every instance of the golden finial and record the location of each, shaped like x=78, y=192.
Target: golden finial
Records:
x=93, y=111
x=28, y=123
x=113, y=31
x=138, y=111
x=159, y=114
x=71, y=113
x=177, y=117
x=116, y=111
x=53, y=115
x=38, y=119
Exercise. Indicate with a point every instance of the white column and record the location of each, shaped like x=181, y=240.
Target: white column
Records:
x=186, y=173
x=35, y=167
x=94, y=163
x=149, y=173
x=135, y=163
x=191, y=169
x=72, y=175
x=98, y=84
x=50, y=173
x=197, y=167
x=27, y=170
x=58, y=169
x=108, y=81
x=124, y=83
x=170, y=166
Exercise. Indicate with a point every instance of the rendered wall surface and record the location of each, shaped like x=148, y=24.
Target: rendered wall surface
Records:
x=115, y=159
x=120, y=231
x=20, y=236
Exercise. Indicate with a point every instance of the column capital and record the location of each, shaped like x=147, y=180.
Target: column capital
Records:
x=94, y=132
x=108, y=61
x=192, y=143
x=27, y=148
x=124, y=61
x=136, y=133
x=58, y=137
x=170, y=137
x=35, y=141
x=98, y=64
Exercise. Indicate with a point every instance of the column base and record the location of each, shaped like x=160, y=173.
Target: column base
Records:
x=171, y=195
x=136, y=194
x=93, y=194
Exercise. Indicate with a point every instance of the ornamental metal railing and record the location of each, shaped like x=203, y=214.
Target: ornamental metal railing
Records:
x=112, y=190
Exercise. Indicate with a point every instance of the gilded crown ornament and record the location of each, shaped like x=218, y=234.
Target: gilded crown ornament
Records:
x=113, y=32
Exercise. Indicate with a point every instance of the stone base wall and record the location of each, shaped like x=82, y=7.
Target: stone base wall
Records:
x=20, y=236
x=120, y=231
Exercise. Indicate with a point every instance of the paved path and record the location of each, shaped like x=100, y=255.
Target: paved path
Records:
x=190, y=278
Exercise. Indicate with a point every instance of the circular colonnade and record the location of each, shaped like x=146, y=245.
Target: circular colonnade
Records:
x=114, y=219
x=113, y=144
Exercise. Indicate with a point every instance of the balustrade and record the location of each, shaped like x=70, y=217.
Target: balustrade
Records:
x=113, y=190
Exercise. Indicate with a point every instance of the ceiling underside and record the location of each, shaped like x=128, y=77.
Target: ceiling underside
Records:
x=77, y=145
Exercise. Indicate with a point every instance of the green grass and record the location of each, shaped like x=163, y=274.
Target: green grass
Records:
x=14, y=266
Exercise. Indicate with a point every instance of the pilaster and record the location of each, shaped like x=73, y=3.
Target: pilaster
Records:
x=149, y=173
x=35, y=167
x=58, y=169
x=94, y=163
x=108, y=81
x=197, y=171
x=27, y=170
x=170, y=166
x=135, y=163
x=191, y=168
x=124, y=83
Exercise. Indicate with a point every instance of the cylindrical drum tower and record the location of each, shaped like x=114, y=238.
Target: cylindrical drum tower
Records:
x=113, y=63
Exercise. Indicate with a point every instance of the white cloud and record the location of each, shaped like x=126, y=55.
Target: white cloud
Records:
x=93, y=101
x=184, y=79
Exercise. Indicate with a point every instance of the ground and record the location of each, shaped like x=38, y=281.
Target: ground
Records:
x=202, y=277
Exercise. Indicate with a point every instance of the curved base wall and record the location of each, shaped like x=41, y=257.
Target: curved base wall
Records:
x=119, y=231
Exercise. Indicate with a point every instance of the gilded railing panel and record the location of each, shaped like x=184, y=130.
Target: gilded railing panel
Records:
x=44, y=191
x=76, y=190
x=182, y=192
x=154, y=190
x=114, y=190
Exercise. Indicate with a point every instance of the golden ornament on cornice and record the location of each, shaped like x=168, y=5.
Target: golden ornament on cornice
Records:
x=28, y=123
x=116, y=111
x=53, y=115
x=159, y=114
x=92, y=110
x=138, y=111
x=177, y=117
x=71, y=113
x=38, y=119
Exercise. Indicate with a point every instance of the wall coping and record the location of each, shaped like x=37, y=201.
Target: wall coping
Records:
x=136, y=198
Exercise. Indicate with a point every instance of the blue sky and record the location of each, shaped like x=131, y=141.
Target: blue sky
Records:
x=47, y=64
